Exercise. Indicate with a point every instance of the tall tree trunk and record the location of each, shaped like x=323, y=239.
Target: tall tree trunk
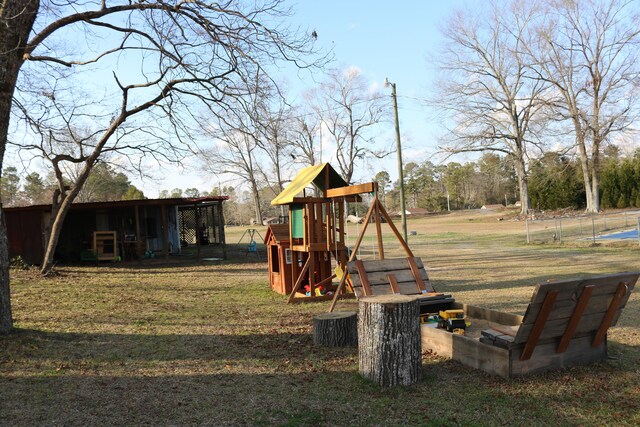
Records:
x=62, y=199
x=595, y=167
x=279, y=178
x=16, y=19
x=586, y=174
x=6, y=318
x=523, y=182
x=54, y=229
x=256, y=201
x=595, y=192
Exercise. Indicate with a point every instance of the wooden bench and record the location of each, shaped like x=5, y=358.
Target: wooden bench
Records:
x=406, y=276
x=565, y=324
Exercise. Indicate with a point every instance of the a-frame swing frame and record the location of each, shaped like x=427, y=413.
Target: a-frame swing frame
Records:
x=376, y=210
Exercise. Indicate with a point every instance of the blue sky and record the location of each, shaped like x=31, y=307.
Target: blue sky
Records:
x=382, y=39
x=397, y=40
x=386, y=41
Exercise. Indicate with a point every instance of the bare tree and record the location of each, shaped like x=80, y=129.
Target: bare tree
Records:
x=16, y=20
x=237, y=152
x=273, y=138
x=189, y=55
x=588, y=51
x=306, y=130
x=305, y=138
x=489, y=89
x=349, y=110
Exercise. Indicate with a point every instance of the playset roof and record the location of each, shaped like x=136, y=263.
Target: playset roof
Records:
x=307, y=176
x=279, y=231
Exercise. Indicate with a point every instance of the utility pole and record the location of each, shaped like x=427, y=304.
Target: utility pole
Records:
x=403, y=211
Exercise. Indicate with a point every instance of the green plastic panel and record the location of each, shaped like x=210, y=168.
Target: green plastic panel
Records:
x=297, y=221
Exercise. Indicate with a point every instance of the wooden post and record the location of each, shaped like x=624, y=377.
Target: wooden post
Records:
x=139, y=252
x=379, y=230
x=223, y=238
x=197, y=230
x=328, y=217
x=338, y=329
x=389, y=345
x=354, y=251
x=301, y=277
x=318, y=222
x=165, y=232
x=393, y=228
x=365, y=223
x=312, y=272
x=342, y=224
x=340, y=287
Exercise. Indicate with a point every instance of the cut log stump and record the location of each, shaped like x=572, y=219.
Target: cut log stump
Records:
x=336, y=329
x=389, y=344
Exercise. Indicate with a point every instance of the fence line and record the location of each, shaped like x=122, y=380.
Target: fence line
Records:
x=624, y=226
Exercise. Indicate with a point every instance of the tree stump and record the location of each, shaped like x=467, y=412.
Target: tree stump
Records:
x=337, y=329
x=389, y=345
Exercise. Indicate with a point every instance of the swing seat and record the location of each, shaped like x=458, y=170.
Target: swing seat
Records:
x=406, y=276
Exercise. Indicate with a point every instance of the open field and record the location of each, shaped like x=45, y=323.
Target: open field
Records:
x=195, y=342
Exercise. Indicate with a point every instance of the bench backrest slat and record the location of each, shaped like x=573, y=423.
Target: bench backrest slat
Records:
x=568, y=294
x=378, y=271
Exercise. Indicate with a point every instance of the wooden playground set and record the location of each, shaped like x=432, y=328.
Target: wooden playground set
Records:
x=565, y=324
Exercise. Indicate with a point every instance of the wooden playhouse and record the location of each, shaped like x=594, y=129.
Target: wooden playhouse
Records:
x=316, y=232
x=279, y=257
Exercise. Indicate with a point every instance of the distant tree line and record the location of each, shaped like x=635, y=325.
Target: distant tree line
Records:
x=104, y=184
x=555, y=182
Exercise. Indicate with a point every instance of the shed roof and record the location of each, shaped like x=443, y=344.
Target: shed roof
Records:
x=279, y=231
x=128, y=203
x=310, y=175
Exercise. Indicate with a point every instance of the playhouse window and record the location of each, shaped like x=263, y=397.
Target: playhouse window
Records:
x=275, y=261
x=287, y=255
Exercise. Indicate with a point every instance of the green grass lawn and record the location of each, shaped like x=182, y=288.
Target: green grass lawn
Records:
x=196, y=342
